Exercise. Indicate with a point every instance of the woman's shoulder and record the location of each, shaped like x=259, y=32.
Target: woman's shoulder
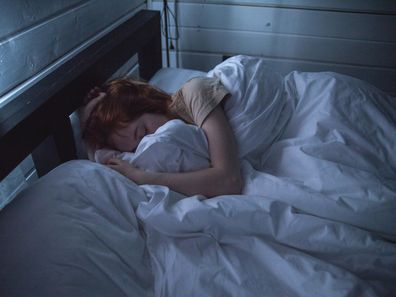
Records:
x=200, y=82
x=205, y=87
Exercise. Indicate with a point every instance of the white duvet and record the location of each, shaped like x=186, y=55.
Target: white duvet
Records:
x=317, y=216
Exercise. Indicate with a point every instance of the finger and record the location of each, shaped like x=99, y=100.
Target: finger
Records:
x=113, y=161
x=114, y=167
x=91, y=103
x=93, y=93
x=97, y=97
x=100, y=95
x=94, y=90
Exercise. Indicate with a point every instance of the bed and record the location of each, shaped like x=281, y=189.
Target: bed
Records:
x=317, y=214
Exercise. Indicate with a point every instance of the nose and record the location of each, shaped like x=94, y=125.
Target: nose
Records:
x=136, y=142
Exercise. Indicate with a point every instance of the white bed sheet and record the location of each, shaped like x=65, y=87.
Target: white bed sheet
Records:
x=316, y=219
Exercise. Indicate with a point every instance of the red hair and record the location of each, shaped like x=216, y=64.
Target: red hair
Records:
x=125, y=101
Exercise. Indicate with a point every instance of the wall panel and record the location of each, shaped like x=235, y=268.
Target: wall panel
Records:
x=367, y=6
x=305, y=22
x=18, y=16
x=349, y=37
x=354, y=52
x=33, y=44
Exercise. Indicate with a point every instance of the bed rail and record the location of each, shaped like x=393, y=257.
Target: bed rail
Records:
x=43, y=110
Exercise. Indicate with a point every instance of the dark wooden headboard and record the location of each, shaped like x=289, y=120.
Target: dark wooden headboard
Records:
x=43, y=110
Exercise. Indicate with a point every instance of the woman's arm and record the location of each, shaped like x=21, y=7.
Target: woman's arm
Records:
x=222, y=178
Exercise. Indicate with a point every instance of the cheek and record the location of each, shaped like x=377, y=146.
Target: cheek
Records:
x=153, y=126
x=124, y=144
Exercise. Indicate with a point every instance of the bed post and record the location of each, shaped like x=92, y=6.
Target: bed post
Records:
x=56, y=148
x=150, y=56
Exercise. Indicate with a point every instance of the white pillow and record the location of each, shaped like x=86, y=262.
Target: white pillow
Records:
x=171, y=79
x=174, y=147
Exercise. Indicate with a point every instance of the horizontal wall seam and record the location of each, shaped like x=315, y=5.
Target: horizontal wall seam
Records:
x=290, y=59
x=197, y=28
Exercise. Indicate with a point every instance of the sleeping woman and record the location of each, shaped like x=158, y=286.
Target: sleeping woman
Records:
x=121, y=113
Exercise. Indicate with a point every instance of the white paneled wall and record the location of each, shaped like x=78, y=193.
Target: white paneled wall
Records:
x=350, y=37
x=35, y=35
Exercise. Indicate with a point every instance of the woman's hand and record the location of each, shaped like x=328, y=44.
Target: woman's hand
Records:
x=93, y=93
x=90, y=101
x=126, y=169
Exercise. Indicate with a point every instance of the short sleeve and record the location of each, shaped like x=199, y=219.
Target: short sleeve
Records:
x=200, y=96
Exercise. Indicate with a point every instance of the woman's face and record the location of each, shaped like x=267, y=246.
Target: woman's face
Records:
x=127, y=138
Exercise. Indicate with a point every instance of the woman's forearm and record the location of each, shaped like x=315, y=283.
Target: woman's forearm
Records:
x=208, y=182
x=224, y=177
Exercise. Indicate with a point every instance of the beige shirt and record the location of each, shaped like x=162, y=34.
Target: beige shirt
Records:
x=194, y=101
